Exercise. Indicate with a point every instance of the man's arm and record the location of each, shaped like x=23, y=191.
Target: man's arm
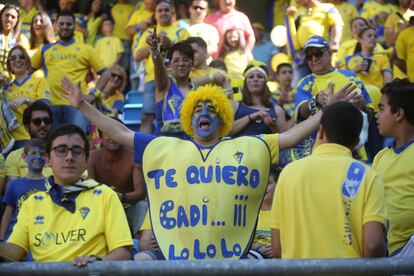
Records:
x=5, y=221
x=374, y=240
x=299, y=132
x=118, y=254
x=139, y=186
x=112, y=128
x=10, y=252
x=276, y=246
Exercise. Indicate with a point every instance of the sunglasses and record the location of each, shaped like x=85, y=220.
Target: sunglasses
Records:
x=63, y=150
x=198, y=8
x=316, y=54
x=16, y=57
x=113, y=75
x=38, y=121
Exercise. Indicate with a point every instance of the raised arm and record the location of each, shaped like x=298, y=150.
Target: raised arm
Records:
x=305, y=129
x=114, y=129
x=162, y=82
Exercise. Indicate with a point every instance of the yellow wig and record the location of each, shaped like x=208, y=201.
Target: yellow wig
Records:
x=217, y=97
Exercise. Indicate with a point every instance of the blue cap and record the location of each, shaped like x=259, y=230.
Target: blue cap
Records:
x=316, y=41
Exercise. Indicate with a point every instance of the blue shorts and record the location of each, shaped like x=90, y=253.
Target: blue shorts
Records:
x=149, y=98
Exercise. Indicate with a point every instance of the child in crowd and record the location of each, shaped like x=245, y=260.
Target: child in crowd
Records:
x=20, y=189
x=262, y=243
x=109, y=47
x=285, y=94
x=235, y=57
x=395, y=164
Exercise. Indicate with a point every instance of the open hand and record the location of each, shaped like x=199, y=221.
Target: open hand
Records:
x=345, y=94
x=72, y=92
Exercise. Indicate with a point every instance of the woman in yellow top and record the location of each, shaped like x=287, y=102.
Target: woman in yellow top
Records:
x=94, y=13
x=41, y=32
x=372, y=68
x=23, y=90
x=235, y=57
x=348, y=47
x=10, y=34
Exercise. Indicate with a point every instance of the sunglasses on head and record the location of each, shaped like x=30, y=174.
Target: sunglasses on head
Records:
x=16, y=57
x=316, y=54
x=38, y=121
x=113, y=75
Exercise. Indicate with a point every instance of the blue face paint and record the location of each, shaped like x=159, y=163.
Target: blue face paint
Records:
x=35, y=159
x=205, y=121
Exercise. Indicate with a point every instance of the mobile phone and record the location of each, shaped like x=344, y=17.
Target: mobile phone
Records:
x=369, y=62
x=155, y=30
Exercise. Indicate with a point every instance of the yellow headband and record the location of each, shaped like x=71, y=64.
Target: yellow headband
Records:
x=218, y=98
x=255, y=68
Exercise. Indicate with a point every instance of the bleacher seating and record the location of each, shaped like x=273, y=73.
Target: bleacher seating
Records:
x=132, y=109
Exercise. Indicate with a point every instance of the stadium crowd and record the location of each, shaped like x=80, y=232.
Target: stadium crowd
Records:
x=294, y=145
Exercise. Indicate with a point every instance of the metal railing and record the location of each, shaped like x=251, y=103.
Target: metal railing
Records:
x=379, y=266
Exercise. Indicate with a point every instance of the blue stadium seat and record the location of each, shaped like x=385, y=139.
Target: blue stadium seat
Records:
x=134, y=97
x=131, y=116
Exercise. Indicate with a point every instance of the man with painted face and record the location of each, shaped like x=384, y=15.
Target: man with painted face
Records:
x=20, y=189
x=205, y=194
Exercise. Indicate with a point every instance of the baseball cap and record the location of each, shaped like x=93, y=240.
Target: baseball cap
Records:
x=316, y=41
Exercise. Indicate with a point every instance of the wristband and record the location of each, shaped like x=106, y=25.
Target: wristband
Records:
x=313, y=105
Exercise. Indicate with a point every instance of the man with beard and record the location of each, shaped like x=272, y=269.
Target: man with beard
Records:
x=67, y=57
x=37, y=119
x=114, y=165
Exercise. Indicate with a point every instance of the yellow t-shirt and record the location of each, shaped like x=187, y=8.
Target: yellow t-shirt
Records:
x=348, y=12
x=2, y=170
x=263, y=233
x=318, y=21
x=174, y=33
x=395, y=166
x=404, y=47
x=26, y=20
x=115, y=101
x=137, y=17
x=93, y=26
x=236, y=62
x=16, y=166
x=347, y=49
x=121, y=13
x=34, y=89
x=108, y=48
x=322, y=201
x=72, y=60
x=52, y=233
x=370, y=9
x=379, y=64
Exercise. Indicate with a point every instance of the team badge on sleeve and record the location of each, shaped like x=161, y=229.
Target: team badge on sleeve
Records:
x=353, y=179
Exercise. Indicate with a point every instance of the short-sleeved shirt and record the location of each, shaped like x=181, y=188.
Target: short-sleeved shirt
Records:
x=16, y=166
x=174, y=33
x=72, y=60
x=52, y=233
x=322, y=201
x=264, y=52
x=378, y=64
x=31, y=87
x=395, y=166
x=19, y=190
x=2, y=171
x=121, y=13
x=347, y=12
x=208, y=33
x=404, y=47
x=26, y=20
x=318, y=21
x=109, y=48
x=93, y=26
x=139, y=16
